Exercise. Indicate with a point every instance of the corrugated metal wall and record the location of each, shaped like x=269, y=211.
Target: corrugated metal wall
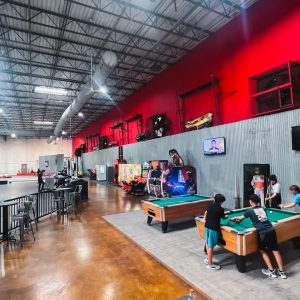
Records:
x=265, y=140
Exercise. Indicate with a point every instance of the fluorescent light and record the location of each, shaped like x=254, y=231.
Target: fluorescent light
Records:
x=103, y=89
x=43, y=123
x=49, y=90
x=80, y=115
x=63, y=132
x=13, y=135
x=1, y=110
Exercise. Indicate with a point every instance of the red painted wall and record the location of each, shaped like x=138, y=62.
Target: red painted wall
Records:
x=264, y=37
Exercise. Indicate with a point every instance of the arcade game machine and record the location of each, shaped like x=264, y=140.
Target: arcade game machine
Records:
x=117, y=162
x=173, y=178
x=179, y=180
x=146, y=167
x=154, y=183
x=130, y=179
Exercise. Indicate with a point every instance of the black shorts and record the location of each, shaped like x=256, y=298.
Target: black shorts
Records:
x=268, y=241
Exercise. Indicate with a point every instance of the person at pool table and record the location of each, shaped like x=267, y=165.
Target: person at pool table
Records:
x=212, y=219
x=267, y=239
x=274, y=198
x=295, y=190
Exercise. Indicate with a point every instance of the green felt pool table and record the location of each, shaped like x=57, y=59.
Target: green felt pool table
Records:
x=167, y=209
x=241, y=238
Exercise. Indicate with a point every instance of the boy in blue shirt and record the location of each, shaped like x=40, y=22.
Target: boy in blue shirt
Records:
x=267, y=239
x=212, y=218
x=295, y=190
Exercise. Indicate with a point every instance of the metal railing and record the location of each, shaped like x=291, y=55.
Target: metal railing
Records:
x=43, y=205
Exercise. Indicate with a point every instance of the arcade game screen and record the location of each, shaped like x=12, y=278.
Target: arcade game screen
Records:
x=214, y=146
x=128, y=171
x=145, y=173
x=180, y=177
x=158, y=163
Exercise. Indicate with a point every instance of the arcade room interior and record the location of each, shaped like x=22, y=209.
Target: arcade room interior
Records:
x=149, y=149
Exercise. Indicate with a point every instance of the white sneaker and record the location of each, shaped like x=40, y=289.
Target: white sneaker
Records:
x=282, y=274
x=206, y=261
x=213, y=267
x=269, y=273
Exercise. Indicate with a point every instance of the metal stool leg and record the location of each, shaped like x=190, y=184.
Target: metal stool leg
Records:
x=21, y=224
x=35, y=219
x=31, y=229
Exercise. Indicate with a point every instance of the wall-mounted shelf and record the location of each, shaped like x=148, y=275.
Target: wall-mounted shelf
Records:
x=275, y=90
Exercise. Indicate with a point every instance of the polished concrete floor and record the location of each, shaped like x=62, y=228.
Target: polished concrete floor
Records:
x=18, y=189
x=84, y=257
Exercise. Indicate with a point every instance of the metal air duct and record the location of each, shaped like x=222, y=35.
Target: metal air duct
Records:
x=108, y=62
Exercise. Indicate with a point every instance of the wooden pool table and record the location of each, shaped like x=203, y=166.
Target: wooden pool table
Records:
x=168, y=209
x=241, y=238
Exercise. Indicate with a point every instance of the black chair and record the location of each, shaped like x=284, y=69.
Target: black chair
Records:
x=32, y=213
x=24, y=220
x=75, y=197
x=58, y=203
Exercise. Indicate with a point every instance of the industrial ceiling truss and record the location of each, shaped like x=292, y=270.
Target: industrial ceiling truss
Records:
x=51, y=43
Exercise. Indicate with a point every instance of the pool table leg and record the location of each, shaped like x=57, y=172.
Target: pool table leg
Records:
x=164, y=226
x=149, y=220
x=296, y=242
x=240, y=262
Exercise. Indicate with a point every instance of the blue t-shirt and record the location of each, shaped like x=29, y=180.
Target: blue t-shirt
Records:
x=297, y=199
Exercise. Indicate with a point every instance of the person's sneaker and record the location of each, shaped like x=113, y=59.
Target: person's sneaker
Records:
x=269, y=273
x=282, y=274
x=213, y=267
x=206, y=261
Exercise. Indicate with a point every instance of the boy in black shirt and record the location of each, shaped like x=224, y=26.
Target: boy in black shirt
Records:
x=267, y=239
x=212, y=218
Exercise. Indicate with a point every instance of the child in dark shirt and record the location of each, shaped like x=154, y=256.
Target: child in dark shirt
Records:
x=267, y=239
x=212, y=218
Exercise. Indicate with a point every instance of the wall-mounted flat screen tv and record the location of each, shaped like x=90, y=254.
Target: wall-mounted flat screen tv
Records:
x=214, y=146
x=296, y=138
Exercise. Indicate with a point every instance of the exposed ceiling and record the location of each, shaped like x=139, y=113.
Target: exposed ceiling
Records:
x=50, y=43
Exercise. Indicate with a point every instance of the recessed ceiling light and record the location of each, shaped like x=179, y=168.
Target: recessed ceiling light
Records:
x=43, y=123
x=13, y=135
x=49, y=90
x=80, y=115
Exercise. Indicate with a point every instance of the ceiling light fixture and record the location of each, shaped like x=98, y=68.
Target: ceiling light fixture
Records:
x=1, y=110
x=103, y=89
x=43, y=123
x=63, y=132
x=80, y=115
x=13, y=135
x=49, y=90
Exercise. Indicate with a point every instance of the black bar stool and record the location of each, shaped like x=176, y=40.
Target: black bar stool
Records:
x=24, y=220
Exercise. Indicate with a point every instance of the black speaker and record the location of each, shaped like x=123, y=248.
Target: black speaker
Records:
x=78, y=152
x=120, y=152
x=103, y=142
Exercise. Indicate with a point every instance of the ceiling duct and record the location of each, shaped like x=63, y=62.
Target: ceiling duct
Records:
x=108, y=61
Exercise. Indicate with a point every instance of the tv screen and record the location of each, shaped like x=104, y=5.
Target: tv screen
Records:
x=296, y=138
x=214, y=146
